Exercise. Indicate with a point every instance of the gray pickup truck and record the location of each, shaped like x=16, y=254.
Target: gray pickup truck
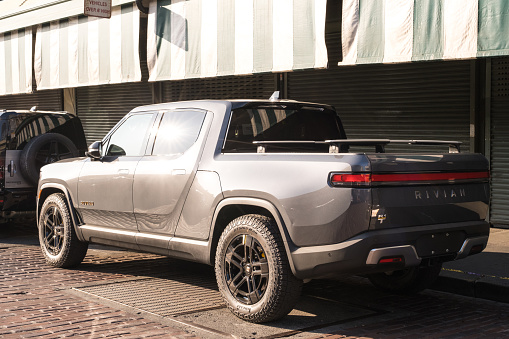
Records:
x=272, y=194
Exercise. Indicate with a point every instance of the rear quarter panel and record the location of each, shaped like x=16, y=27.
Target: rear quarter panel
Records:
x=297, y=185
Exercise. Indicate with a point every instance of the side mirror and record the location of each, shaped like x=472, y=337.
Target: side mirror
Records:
x=94, y=150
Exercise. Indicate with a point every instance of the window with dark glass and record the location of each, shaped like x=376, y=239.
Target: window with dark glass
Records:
x=282, y=123
x=178, y=131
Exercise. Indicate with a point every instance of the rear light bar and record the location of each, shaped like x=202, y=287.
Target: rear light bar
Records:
x=366, y=179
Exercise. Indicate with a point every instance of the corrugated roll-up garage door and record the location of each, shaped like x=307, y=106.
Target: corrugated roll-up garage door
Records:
x=258, y=86
x=50, y=100
x=426, y=100
x=101, y=107
x=500, y=142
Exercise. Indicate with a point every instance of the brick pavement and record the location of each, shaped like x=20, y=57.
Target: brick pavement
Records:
x=426, y=315
x=34, y=302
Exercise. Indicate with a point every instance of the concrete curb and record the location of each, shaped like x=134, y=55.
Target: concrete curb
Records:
x=473, y=285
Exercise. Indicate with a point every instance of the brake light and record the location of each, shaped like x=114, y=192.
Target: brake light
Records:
x=405, y=177
x=366, y=179
x=351, y=179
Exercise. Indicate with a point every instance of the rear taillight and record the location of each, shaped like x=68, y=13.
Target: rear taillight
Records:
x=419, y=177
x=350, y=179
x=366, y=179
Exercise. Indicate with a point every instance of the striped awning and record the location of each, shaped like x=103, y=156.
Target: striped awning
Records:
x=86, y=51
x=207, y=38
x=16, y=62
x=385, y=31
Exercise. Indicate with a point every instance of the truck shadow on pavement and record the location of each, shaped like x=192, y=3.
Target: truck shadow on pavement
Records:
x=186, y=293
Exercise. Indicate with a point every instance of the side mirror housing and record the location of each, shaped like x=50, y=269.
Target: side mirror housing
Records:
x=94, y=150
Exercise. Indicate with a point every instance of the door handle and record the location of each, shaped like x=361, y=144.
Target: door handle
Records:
x=11, y=168
x=123, y=171
x=178, y=172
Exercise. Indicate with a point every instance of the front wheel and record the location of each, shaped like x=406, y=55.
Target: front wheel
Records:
x=59, y=243
x=406, y=281
x=252, y=270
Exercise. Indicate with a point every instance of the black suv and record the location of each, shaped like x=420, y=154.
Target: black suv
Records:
x=28, y=141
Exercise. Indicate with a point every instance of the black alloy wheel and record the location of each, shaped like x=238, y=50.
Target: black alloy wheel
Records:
x=246, y=269
x=57, y=237
x=253, y=272
x=53, y=229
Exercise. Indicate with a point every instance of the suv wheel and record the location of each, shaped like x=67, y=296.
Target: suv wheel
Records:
x=407, y=281
x=42, y=150
x=59, y=243
x=252, y=270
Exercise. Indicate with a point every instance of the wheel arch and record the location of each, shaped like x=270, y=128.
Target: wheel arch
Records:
x=232, y=208
x=49, y=188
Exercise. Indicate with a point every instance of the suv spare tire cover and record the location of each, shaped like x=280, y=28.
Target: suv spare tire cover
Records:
x=42, y=150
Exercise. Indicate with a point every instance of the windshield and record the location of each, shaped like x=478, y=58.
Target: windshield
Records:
x=282, y=123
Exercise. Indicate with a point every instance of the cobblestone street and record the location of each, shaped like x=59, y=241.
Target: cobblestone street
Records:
x=135, y=295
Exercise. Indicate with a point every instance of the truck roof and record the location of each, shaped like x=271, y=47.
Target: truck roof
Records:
x=216, y=104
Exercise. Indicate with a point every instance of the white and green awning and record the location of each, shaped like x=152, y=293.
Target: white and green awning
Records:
x=16, y=62
x=384, y=31
x=87, y=51
x=207, y=38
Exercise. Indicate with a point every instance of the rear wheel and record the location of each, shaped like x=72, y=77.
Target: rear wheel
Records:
x=252, y=270
x=57, y=237
x=407, y=281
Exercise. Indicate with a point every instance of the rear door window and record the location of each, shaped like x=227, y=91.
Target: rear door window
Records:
x=178, y=131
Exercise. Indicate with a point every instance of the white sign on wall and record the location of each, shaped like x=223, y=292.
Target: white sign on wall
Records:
x=98, y=8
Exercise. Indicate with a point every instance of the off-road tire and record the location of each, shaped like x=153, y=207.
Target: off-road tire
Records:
x=407, y=281
x=279, y=290
x=57, y=237
x=42, y=150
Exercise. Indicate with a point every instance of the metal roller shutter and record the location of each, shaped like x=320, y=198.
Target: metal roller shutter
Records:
x=427, y=100
x=499, y=145
x=50, y=100
x=258, y=86
x=101, y=107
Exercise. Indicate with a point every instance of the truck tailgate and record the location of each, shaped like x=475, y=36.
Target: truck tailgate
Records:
x=414, y=190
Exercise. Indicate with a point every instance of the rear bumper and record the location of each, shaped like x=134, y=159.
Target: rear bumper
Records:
x=414, y=245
